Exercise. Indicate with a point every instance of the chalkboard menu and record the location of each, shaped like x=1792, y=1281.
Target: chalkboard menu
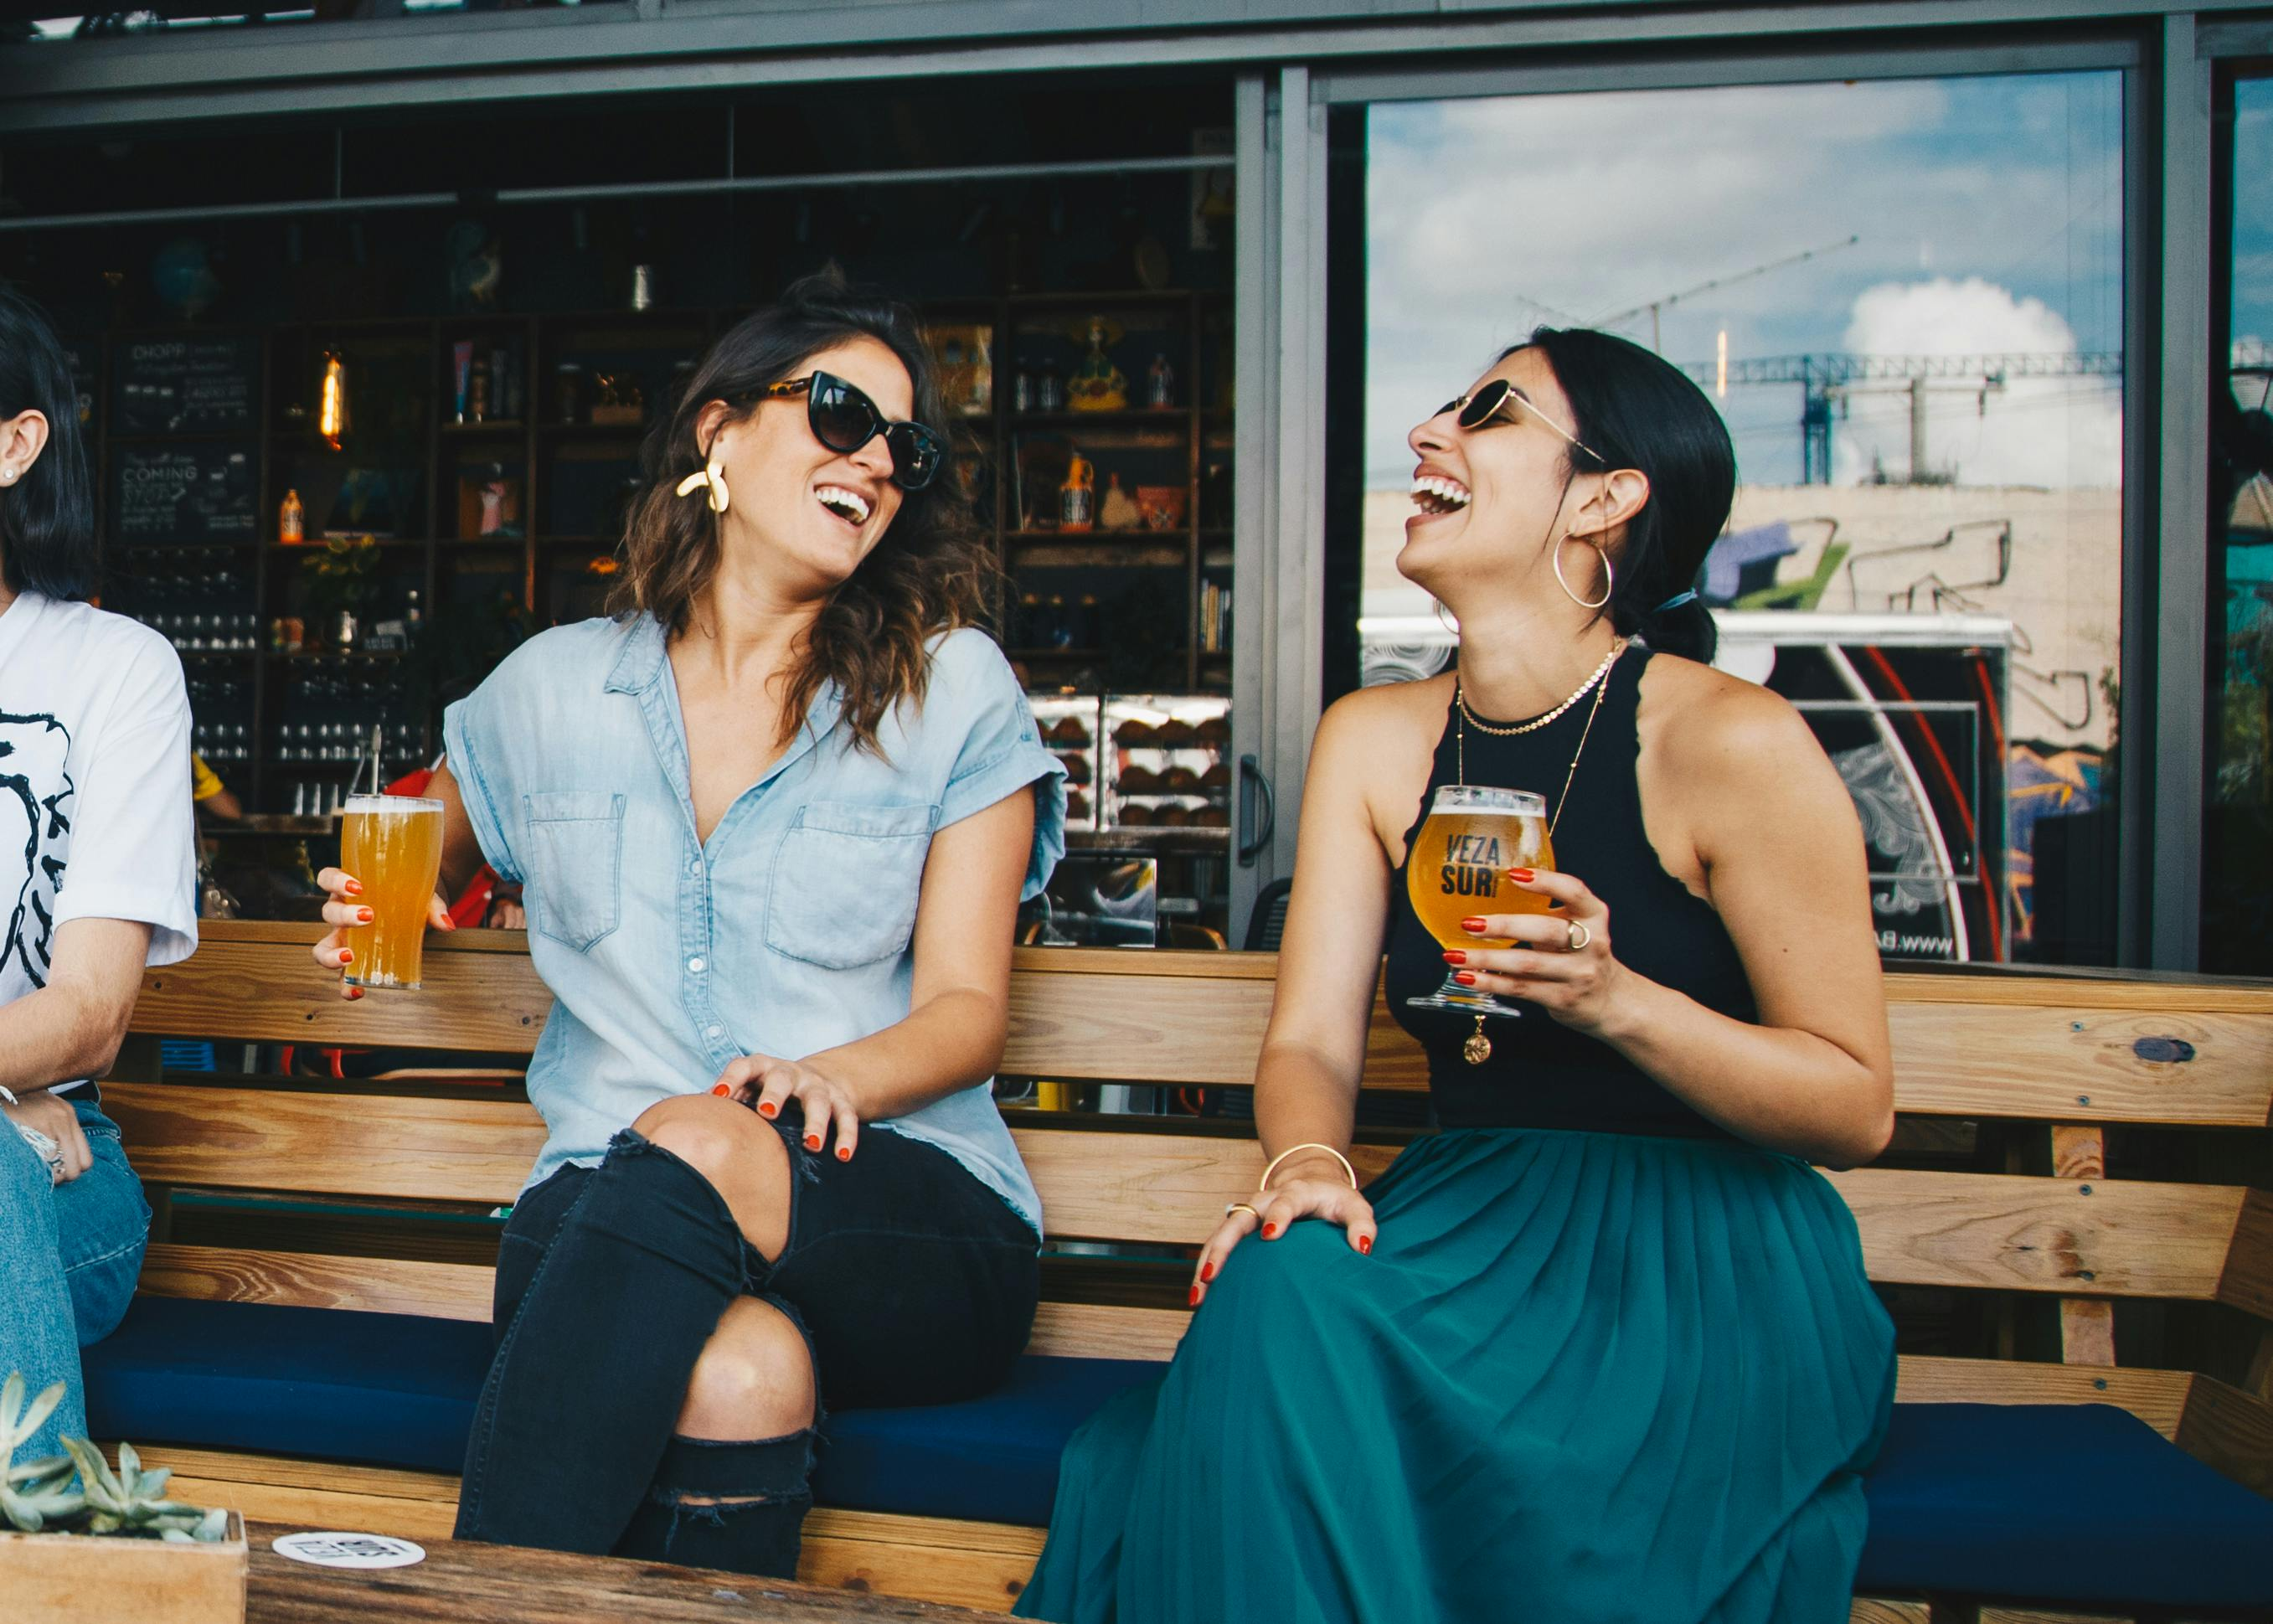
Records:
x=199, y=492
x=186, y=386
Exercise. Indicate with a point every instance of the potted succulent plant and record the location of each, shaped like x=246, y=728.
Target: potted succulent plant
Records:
x=81, y=1541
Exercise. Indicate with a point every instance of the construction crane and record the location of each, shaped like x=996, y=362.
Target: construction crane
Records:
x=1656, y=307
x=1828, y=378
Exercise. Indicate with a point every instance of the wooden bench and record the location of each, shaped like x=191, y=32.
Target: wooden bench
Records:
x=1980, y=1059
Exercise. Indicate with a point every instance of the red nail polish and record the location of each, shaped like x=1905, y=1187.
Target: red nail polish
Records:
x=1194, y=1300
x=1365, y=1244
x=844, y=1152
x=363, y=916
x=347, y=954
x=1269, y=1232
x=1456, y=957
x=1472, y=924
x=722, y=1089
x=354, y=887
x=354, y=993
x=1521, y=877
x=1466, y=978
x=813, y=1141
x=1207, y=1271
x=768, y=1109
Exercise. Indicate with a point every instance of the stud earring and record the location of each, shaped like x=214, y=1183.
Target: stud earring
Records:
x=7, y=476
x=712, y=476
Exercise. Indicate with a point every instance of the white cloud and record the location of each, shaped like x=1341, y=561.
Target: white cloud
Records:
x=1481, y=212
x=2049, y=431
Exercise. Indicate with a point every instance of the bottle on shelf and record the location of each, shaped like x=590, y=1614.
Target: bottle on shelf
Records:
x=1160, y=384
x=292, y=521
x=1077, y=496
x=414, y=619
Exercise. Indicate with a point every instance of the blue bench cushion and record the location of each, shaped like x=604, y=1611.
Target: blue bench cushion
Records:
x=383, y=1389
x=2059, y=1502
x=2070, y=1503
x=993, y=1459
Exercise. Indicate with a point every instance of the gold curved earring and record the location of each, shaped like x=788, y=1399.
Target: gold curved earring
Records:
x=1608, y=576
x=711, y=476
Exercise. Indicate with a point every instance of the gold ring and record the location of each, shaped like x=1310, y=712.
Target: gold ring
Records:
x=1579, y=936
x=1241, y=1206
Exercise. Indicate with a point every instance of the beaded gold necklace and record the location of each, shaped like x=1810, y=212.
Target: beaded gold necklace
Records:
x=1596, y=684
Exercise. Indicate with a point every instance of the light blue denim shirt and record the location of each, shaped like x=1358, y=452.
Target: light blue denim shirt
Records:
x=788, y=932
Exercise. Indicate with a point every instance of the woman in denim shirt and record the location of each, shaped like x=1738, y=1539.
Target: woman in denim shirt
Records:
x=772, y=823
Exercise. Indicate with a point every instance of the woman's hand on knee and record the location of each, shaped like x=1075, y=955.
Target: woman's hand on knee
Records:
x=769, y=1084
x=344, y=908
x=42, y=1112
x=1274, y=1211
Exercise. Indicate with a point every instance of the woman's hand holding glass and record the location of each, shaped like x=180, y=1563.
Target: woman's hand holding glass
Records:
x=1311, y=1185
x=1563, y=962
x=769, y=1084
x=344, y=909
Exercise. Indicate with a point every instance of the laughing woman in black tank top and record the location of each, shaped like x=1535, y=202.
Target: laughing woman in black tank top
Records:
x=1602, y=1348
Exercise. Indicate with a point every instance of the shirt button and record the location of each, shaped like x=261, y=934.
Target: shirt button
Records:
x=694, y=964
x=694, y=865
x=714, y=1032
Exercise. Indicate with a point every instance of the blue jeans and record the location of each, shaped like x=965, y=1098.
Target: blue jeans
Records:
x=68, y=1257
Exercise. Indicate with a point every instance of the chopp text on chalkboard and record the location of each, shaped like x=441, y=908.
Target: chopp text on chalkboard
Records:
x=204, y=385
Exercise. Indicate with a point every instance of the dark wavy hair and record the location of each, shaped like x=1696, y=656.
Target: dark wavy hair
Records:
x=47, y=518
x=932, y=571
x=1639, y=410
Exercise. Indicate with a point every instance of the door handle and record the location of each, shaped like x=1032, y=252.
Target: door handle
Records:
x=1254, y=788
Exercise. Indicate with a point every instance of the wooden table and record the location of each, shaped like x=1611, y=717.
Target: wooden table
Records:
x=507, y=1584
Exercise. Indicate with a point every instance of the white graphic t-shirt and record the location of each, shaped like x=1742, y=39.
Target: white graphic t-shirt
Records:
x=95, y=820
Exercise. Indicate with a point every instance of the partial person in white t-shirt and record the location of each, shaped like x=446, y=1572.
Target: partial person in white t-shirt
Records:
x=98, y=877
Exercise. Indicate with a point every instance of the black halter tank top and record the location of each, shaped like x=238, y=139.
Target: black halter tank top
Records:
x=1540, y=1073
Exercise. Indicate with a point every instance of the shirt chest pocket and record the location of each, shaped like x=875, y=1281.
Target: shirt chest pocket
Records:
x=575, y=858
x=845, y=882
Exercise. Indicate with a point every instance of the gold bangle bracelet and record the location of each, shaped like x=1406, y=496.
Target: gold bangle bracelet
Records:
x=1349, y=1171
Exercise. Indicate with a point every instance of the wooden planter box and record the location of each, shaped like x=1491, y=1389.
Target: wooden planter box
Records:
x=89, y=1579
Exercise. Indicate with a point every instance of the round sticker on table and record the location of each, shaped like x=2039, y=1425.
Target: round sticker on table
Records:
x=336, y=1550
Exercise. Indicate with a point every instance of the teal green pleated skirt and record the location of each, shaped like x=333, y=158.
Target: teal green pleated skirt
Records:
x=1583, y=1378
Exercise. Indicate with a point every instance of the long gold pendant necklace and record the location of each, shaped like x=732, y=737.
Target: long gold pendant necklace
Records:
x=1478, y=1048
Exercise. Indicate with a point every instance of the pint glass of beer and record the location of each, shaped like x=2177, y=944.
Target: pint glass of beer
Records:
x=394, y=845
x=1457, y=869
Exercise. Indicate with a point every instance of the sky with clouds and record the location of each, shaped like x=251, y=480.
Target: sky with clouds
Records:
x=2253, y=210
x=1988, y=210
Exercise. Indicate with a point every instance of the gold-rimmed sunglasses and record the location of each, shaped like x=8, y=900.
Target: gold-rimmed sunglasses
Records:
x=1488, y=402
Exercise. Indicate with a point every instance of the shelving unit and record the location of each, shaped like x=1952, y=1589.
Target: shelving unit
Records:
x=406, y=452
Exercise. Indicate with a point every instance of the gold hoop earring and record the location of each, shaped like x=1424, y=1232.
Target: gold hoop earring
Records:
x=715, y=478
x=1610, y=578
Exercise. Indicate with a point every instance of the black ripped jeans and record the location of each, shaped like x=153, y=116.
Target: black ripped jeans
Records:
x=912, y=1282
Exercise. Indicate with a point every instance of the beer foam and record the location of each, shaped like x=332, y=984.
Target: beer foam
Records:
x=387, y=804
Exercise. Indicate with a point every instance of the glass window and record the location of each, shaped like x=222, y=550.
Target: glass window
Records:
x=1906, y=298
x=2237, y=928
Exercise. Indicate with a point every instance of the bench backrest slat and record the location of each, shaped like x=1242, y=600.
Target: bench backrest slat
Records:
x=2122, y=1237
x=2067, y=1050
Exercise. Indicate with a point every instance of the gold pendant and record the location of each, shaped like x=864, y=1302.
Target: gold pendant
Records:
x=1477, y=1049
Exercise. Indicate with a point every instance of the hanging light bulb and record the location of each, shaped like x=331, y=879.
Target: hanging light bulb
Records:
x=332, y=406
x=1720, y=367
